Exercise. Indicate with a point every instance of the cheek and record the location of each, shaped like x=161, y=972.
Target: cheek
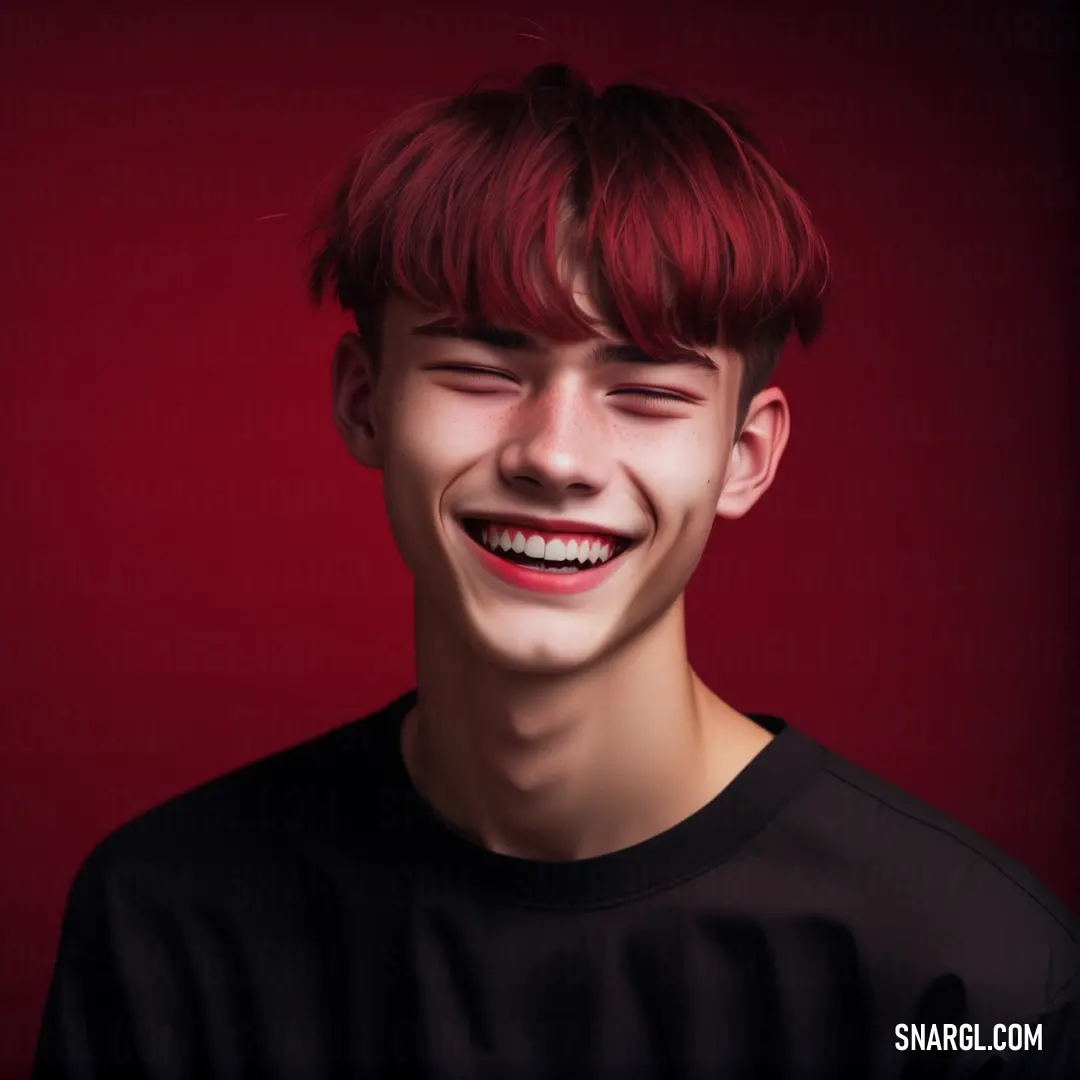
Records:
x=436, y=438
x=687, y=479
x=684, y=470
x=426, y=449
x=433, y=434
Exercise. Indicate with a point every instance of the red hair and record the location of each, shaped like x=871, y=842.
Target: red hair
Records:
x=687, y=233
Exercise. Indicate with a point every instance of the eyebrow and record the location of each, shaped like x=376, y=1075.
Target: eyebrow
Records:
x=501, y=337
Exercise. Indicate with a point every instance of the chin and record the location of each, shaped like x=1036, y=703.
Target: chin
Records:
x=541, y=663
x=538, y=650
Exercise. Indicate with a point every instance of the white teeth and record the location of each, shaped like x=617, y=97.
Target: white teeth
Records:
x=582, y=552
x=555, y=551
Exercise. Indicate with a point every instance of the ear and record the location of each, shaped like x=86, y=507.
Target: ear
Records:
x=352, y=383
x=756, y=455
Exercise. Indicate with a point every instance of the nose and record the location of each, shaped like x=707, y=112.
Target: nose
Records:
x=558, y=443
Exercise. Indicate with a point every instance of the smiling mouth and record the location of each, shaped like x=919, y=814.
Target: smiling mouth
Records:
x=574, y=557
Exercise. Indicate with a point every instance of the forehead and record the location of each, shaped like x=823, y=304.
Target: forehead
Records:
x=401, y=313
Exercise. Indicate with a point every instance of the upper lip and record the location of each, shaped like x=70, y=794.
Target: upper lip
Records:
x=565, y=525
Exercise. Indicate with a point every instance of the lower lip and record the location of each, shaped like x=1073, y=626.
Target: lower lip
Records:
x=545, y=581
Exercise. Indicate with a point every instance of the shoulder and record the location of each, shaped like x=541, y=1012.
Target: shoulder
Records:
x=936, y=895
x=248, y=828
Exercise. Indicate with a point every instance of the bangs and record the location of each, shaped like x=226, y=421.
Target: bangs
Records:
x=485, y=205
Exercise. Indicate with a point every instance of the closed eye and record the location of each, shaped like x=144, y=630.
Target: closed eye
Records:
x=468, y=369
x=654, y=395
x=636, y=391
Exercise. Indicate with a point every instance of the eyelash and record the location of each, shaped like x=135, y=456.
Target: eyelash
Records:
x=655, y=395
x=652, y=395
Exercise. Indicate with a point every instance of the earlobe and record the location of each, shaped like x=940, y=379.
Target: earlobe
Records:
x=733, y=501
x=352, y=385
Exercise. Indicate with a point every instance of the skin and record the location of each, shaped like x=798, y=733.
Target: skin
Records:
x=558, y=727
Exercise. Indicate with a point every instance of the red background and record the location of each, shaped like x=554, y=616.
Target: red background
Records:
x=195, y=573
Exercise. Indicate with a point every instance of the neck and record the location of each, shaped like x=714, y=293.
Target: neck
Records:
x=569, y=766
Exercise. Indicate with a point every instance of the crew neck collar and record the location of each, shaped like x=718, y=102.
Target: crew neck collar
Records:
x=698, y=843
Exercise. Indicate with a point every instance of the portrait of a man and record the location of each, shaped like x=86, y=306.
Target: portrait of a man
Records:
x=565, y=850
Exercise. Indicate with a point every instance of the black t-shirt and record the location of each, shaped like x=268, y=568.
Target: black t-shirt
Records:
x=310, y=916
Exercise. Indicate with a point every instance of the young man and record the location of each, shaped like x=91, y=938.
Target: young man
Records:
x=562, y=854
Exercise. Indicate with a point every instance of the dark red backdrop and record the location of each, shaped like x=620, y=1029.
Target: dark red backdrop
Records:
x=196, y=573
